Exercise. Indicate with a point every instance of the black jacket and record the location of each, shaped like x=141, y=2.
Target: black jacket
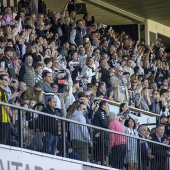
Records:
x=105, y=76
x=144, y=150
x=47, y=123
x=100, y=119
x=160, y=152
x=42, y=7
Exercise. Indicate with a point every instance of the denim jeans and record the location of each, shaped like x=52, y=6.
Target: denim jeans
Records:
x=50, y=143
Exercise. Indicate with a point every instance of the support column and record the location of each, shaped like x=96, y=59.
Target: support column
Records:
x=147, y=36
x=10, y=3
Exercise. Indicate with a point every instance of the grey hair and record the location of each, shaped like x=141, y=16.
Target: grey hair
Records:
x=119, y=67
x=141, y=128
x=112, y=115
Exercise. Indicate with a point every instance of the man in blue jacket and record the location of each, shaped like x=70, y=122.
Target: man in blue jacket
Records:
x=79, y=134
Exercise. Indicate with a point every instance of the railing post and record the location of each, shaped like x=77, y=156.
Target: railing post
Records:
x=139, y=154
x=63, y=124
x=20, y=129
x=102, y=147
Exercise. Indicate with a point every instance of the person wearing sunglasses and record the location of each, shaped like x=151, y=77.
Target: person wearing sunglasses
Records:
x=120, y=84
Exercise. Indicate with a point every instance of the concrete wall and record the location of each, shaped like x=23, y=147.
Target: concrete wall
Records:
x=155, y=27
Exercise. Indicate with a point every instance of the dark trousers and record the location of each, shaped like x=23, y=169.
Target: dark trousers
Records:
x=159, y=164
x=81, y=148
x=4, y=132
x=117, y=156
x=100, y=149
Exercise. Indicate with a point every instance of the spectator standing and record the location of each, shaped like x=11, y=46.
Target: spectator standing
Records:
x=156, y=103
x=5, y=111
x=117, y=143
x=120, y=85
x=76, y=36
x=101, y=139
x=132, y=155
x=7, y=63
x=79, y=134
x=128, y=67
x=27, y=73
x=8, y=18
x=42, y=7
x=145, y=150
x=158, y=151
x=34, y=93
x=144, y=100
x=46, y=86
x=49, y=125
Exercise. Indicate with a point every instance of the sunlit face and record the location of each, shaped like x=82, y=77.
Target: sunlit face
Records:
x=130, y=123
x=160, y=130
x=144, y=131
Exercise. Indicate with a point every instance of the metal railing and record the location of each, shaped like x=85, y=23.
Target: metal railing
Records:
x=59, y=136
x=130, y=108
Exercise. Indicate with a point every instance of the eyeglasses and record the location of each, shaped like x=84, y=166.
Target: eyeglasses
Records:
x=13, y=82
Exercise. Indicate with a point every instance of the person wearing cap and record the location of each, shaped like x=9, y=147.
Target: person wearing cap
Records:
x=6, y=62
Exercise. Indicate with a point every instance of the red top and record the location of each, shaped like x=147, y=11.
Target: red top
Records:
x=115, y=139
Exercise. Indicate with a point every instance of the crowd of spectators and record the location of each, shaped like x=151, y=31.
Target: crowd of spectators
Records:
x=54, y=63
